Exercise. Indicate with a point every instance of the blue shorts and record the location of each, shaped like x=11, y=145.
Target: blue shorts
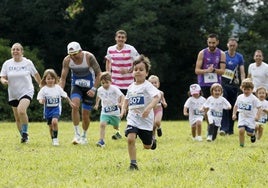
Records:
x=49, y=120
x=248, y=130
x=110, y=120
x=145, y=136
x=81, y=93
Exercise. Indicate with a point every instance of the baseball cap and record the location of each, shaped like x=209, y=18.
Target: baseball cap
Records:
x=195, y=89
x=73, y=47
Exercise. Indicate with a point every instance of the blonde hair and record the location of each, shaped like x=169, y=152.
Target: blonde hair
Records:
x=247, y=84
x=106, y=76
x=19, y=45
x=214, y=86
x=154, y=77
x=52, y=73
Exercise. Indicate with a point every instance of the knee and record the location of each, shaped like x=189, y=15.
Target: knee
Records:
x=147, y=146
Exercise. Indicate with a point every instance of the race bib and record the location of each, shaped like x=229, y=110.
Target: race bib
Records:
x=52, y=102
x=110, y=109
x=198, y=112
x=210, y=78
x=244, y=106
x=136, y=102
x=82, y=83
x=229, y=74
x=216, y=113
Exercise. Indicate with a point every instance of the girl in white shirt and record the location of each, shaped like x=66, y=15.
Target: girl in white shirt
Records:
x=193, y=109
x=213, y=107
x=261, y=93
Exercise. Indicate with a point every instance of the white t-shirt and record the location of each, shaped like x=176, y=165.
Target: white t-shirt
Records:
x=139, y=96
x=216, y=106
x=195, y=105
x=52, y=96
x=259, y=75
x=263, y=118
x=247, y=107
x=19, y=78
x=109, y=100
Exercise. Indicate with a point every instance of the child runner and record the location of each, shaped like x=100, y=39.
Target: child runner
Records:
x=158, y=110
x=261, y=93
x=50, y=96
x=213, y=107
x=140, y=100
x=247, y=104
x=193, y=109
x=111, y=100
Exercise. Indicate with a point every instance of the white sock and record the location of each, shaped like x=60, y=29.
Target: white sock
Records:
x=76, y=130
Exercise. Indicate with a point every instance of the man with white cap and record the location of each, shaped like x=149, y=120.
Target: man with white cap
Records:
x=85, y=74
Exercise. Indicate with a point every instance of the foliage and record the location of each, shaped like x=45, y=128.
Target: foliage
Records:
x=177, y=161
x=169, y=32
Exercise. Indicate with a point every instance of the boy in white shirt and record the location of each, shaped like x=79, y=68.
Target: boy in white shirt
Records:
x=247, y=104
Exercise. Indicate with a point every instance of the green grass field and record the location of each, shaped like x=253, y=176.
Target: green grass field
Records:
x=177, y=162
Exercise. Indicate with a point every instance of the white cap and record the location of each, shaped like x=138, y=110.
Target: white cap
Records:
x=195, y=89
x=73, y=47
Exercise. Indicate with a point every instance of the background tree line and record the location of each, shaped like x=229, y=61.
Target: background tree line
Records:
x=169, y=32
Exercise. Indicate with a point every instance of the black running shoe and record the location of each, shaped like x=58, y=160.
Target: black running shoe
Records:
x=253, y=138
x=159, y=132
x=153, y=145
x=133, y=166
x=116, y=136
x=24, y=138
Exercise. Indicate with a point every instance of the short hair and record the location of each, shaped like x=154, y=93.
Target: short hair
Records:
x=247, y=84
x=145, y=60
x=232, y=39
x=106, y=76
x=213, y=35
x=214, y=86
x=123, y=32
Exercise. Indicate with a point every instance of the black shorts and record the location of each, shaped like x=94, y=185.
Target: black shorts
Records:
x=145, y=135
x=81, y=92
x=15, y=103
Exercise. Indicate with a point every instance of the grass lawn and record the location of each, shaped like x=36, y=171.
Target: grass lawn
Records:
x=177, y=162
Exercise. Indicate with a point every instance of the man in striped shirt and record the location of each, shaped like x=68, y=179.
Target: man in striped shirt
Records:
x=119, y=61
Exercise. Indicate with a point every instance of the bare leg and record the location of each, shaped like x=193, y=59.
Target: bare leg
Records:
x=242, y=136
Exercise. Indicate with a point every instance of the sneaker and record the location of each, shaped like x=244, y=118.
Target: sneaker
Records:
x=76, y=140
x=222, y=133
x=133, y=166
x=253, y=138
x=24, y=138
x=209, y=138
x=159, y=132
x=116, y=136
x=100, y=143
x=153, y=147
x=55, y=142
x=83, y=140
x=199, y=138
